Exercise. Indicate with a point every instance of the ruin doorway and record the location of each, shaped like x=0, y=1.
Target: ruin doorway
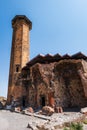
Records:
x=42, y=101
x=24, y=101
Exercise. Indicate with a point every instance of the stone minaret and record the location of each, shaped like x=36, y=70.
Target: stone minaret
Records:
x=20, y=50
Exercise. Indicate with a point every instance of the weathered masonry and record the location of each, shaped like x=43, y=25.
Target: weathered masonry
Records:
x=45, y=80
x=19, y=52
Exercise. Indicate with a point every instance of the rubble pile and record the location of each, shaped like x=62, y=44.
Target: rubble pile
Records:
x=29, y=110
x=2, y=102
x=37, y=121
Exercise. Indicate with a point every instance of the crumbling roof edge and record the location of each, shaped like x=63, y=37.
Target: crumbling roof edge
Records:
x=40, y=58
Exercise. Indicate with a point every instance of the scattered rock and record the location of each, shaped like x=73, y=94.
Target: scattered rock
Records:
x=2, y=102
x=18, y=109
x=23, y=112
x=47, y=110
x=39, y=112
x=58, y=110
x=29, y=126
x=84, y=110
x=29, y=109
x=57, y=120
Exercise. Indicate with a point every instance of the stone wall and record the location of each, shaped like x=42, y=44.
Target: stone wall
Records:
x=61, y=81
x=69, y=87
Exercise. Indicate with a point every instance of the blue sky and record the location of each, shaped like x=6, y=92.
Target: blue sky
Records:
x=59, y=26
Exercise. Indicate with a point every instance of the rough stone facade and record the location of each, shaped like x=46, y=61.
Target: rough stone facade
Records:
x=45, y=80
x=61, y=83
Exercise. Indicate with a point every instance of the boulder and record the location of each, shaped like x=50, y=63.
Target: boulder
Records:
x=29, y=109
x=2, y=102
x=47, y=110
x=58, y=109
x=29, y=126
x=18, y=109
x=84, y=110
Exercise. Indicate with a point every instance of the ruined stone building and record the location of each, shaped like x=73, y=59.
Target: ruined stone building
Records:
x=46, y=79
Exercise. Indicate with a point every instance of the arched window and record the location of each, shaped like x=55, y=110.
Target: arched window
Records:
x=17, y=68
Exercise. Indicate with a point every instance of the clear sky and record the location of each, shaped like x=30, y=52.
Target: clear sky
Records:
x=59, y=26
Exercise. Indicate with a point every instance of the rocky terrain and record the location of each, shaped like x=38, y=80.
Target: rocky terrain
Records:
x=34, y=121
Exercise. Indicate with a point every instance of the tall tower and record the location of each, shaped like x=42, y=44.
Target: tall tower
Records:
x=20, y=50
